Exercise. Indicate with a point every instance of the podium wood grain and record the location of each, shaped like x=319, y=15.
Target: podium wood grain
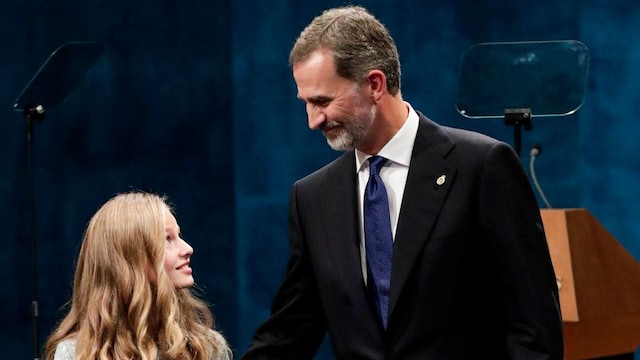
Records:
x=599, y=285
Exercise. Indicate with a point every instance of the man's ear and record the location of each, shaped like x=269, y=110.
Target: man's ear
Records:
x=377, y=84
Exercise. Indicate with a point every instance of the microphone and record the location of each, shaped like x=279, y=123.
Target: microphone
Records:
x=534, y=152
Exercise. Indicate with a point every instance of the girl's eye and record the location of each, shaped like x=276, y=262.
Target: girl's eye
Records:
x=172, y=237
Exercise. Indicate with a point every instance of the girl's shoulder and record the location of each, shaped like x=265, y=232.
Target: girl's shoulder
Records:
x=223, y=351
x=65, y=350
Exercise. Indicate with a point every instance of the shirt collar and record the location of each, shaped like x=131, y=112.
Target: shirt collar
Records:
x=399, y=148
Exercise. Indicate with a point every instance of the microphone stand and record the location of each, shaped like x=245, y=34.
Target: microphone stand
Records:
x=518, y=118
x=32, y=113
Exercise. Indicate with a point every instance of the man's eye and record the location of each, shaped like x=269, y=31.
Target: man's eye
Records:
x=319, y=101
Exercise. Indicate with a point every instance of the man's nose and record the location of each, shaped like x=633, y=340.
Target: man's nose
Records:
x=316, y=119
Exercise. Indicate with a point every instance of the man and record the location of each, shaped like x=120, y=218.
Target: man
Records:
x=466, y=273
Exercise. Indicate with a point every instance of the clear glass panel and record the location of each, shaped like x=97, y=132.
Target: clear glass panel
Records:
x=547, y=77
x=59, y=75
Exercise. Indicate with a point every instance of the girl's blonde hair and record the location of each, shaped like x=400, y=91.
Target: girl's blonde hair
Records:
x=116, y=311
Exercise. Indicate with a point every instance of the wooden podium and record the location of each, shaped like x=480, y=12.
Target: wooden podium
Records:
x=599, y=285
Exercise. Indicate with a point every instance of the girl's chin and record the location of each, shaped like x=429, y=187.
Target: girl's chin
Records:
x=184, y=283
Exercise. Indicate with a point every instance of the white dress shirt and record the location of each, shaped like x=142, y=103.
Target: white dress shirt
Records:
x=394, y=175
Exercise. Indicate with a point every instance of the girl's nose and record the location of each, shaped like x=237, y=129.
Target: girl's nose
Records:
x=187, y=250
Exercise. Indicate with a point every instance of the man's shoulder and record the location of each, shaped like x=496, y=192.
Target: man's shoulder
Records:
x=346, y=161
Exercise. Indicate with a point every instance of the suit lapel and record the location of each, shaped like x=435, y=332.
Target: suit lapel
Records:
x=428, y=183
x=342, y=234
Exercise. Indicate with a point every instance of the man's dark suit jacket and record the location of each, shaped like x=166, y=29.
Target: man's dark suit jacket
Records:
x=472, y=277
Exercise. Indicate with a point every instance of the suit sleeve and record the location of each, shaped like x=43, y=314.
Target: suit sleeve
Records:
x=511, y=217
x=296, y=326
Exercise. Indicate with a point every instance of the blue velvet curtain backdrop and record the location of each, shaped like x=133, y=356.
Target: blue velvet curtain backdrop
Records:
x=195, y=100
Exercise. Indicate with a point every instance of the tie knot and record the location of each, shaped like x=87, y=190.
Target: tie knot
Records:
x=375, y=164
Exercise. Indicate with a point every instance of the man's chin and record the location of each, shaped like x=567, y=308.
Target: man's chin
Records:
x=339, y=145
x=339, y=140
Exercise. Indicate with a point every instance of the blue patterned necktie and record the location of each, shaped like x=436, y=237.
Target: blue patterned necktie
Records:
x=378, y=238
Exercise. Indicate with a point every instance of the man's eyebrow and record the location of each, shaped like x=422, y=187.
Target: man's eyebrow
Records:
x=319, y=98
x=315, y=98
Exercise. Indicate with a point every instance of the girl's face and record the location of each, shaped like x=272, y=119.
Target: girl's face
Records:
x=177, y=254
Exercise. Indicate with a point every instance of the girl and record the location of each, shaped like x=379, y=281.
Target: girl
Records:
x=131, y=297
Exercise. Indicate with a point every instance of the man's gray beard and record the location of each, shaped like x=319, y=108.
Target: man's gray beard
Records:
x=351, y=137
x=344, y=142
